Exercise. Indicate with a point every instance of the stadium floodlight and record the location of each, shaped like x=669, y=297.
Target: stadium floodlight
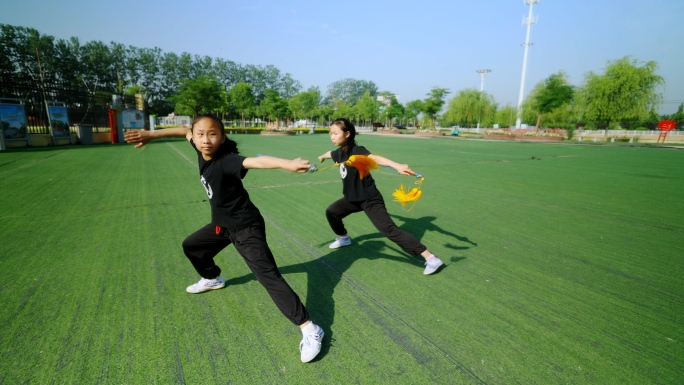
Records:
x=482, y=73
x=529, y=20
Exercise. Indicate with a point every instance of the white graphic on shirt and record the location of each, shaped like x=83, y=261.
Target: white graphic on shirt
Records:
x=206, y=186
x=343, y=171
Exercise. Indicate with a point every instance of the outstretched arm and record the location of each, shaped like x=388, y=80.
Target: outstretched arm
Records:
x=325, y=156
x=401, y=168
x=295, y=165
x=142, y=137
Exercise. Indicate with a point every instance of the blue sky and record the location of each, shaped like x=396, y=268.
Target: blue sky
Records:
x=405, y=47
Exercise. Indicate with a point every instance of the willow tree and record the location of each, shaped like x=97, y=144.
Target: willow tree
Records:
x=469, y=107
x=506, y=116
x=627, y=91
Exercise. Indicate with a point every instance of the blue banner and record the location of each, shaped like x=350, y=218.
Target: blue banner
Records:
x=13, y=122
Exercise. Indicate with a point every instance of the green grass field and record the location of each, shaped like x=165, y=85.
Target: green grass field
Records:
x=564, y=266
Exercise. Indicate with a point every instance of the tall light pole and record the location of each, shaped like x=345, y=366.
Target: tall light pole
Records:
x=482, y=73
x=529, y=21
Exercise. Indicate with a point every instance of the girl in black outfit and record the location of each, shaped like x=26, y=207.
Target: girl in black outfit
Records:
x=235, y=219
x=362, y=195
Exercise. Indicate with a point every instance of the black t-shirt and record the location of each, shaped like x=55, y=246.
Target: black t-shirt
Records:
x=354, y=188
x=221, y=177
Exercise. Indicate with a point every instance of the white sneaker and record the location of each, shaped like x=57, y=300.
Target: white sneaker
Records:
x=432, y=264
x=340, y=242
x=206, y=285
x=311, y=344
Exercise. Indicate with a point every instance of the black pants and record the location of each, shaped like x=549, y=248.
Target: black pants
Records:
x=377, y=213
x=202, y=246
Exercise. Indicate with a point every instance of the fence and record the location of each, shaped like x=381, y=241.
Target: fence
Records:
x=83, y=106
x=591, y=132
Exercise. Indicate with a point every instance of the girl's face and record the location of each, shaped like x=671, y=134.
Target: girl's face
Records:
x=208, y=137
x=337, y=136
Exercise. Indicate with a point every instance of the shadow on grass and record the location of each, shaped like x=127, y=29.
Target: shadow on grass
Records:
x=327, y=271
x=418, y=226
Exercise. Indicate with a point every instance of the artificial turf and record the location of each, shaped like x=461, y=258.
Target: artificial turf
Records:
x=564, y=266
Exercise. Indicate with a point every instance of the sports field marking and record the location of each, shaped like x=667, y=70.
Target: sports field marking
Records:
x=192, y=162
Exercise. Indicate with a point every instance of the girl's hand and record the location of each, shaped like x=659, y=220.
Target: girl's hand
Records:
x=404, y=169
x=325, y=156
x=141, y=137
x=299, y=165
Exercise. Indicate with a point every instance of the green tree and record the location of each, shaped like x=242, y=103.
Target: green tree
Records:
x=551, y=94
x=650, y=121
x=412, y=110
x=304, y=104
x=393, y=110
x=242, y=99
x=23, y=47
x=68, y=54
x=505, y=117
x=325, y=113
x=261, y=79
x=274, y=107
x=343, y=110
x=367, y=108
x=145, y=71
x=626, y=91
x=470, y=107
x=288, y=87
x=349, y=90
x=433, y=104
x=678, y=116
x=98, y=67
x=198, y=96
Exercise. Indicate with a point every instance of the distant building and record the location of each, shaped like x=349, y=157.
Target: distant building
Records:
x=173, y=120
x=386, y=100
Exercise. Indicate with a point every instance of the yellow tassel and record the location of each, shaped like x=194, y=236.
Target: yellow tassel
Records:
x=362, y=163
x=404, y=196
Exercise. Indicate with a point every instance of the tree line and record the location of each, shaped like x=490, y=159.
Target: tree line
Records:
x=626, y=94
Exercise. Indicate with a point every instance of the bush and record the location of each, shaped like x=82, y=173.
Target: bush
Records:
x=570, y=129
x=469, y=135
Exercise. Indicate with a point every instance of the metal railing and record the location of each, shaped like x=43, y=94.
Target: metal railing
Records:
x=83, y=106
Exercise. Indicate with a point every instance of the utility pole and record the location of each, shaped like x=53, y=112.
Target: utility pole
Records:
x=529, y=21
x=482, y=73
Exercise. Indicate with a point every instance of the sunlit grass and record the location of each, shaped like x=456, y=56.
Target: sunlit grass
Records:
x=564, y=265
